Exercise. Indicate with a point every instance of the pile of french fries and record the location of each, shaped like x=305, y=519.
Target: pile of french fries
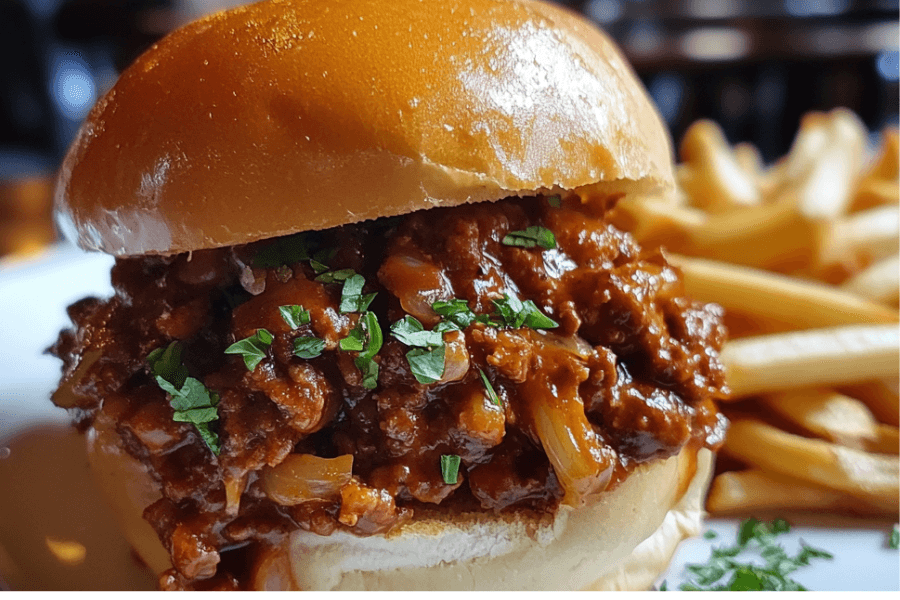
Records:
x=803, y=255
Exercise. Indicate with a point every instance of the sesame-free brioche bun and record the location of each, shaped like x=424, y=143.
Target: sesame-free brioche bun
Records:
x=295, y=115
x=624, y=541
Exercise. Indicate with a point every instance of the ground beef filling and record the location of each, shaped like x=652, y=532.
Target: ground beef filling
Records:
x=629, y=375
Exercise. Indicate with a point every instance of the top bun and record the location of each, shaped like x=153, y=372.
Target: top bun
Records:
x=293, y=115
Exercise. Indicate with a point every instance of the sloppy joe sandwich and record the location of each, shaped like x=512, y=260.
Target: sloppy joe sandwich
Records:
x=371, y=327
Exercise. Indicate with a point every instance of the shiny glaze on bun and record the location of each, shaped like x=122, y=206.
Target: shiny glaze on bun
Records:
x=294, y=115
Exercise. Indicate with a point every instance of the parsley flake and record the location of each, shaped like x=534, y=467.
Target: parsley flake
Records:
x=283, y=251
x=367, y=339
x=352, y=298
x=336, y=276
x=450, y=468
x=411, y=332
x=294, y=315
x=457, y=315
x=319, y=261
x=554, y=201
x=427, y=366
x=894, y=542
x=252, y=348
x=531, y=237
x=514, y=313
x=725, y=572
x=426, y=359
x=308, y=347
x=189, y=398
x=489, y=389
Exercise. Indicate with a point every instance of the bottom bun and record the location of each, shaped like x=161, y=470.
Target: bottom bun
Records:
x=623, y=541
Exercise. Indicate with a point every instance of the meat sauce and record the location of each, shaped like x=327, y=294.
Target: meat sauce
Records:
x=629, y=375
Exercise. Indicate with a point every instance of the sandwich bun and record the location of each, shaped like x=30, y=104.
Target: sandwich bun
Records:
x=287, y=116
x=290, y=116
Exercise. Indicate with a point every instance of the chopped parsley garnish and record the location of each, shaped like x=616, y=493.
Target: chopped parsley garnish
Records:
x=411, y=332
x=294, y=315
x=166, y=363
x=531, y=237
x=190, y=399
x=710, y=535
x=457, y=315
x=283, y=251
x=727, y=570
x=355, y=340
x=456, y=310
x=489, y=389
x=894, y=542
x=514, y=313
x=427, y=365
x=319, y=261
x=308, y=347
x=336, y=276
x=352, y=298
x=554, y=201
x=426, y=359
x=252, y=348
x=450, y=468
x=367, y=339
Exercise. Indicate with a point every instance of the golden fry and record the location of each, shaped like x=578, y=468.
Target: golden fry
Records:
x=880, y=282
x=832, y=416
x=802, y=304
x=872, y=477
x=816, y=357
x=755, y=490
x=714, y=180
x=872, y=192
x=881, y=396
x=824, y=192
x=822, y=165
x=887, y=165
x=770, y=236
x=865, y=236
x=654, y=221
x=750, y=160
x=887, y=440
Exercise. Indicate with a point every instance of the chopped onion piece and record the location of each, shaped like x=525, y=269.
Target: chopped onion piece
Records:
x=304, y=477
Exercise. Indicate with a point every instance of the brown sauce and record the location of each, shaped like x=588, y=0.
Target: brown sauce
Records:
x=629, y=375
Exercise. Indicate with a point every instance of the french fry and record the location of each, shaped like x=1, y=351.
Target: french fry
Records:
x=872, y=477
x=655, y=221
x=821, y=184
x=834, y=356
x=770, y=236
x=831, y=416
x=881, y=396
x=864, y=236
x=880, y=282
x=803, y=304
x=810, y=142
x=887, y=164
x=750, y=160
x=713, y=175
x=743, y=492
x=887, y=440
x=871, y=193
x=819, y=214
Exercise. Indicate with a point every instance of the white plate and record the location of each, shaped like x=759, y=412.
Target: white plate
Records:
x=55, y=532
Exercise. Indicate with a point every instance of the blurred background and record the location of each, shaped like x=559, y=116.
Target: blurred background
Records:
x=755, y=66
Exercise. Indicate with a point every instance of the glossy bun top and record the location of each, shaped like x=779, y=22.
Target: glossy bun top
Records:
x=292, y=115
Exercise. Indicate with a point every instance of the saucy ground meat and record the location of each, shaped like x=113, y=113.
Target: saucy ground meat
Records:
x=616, y=368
